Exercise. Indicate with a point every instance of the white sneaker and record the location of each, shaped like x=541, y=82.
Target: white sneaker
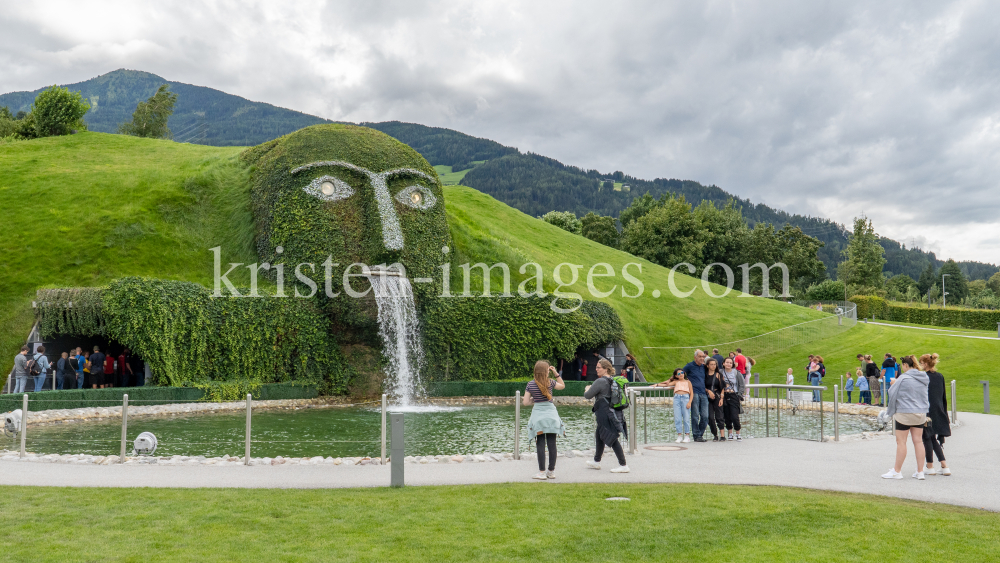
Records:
x=919, y=475
x=931, y=471
x=687, y=439
x=945, y=471
x=550, y=474
x=621, y=469
x=680, y=438
x=893, y=474
x=540, y=476
x=593, y=464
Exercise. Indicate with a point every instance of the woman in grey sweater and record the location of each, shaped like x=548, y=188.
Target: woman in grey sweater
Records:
x=907, y=406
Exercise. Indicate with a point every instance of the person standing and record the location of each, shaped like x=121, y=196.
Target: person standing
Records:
x=815, y=378
x=849, y=387
x=630, y=367
x=695, y=371
x=81, y=362
x=110, y=373
x=888, y=370
x=21, y=370
x=42, y=362
x=907, y=406
x=97, y=368
x=715, y=389
x=732, y=395
x=740, y=362
x=682, y=403
x=64, y=371
x=864, y=394
x=544, y=421
x=719, y=358
x=86, y=369
x=125, y=376
x=940, y=426
x=608, y=426
x=872, y=373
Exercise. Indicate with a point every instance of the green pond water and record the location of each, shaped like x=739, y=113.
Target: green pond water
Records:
x=343, y=432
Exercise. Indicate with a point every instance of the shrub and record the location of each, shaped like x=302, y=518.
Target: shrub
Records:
x=869, y=305
x=565, y=220
x=57, y=110
x=935, y=316
x=829, y=290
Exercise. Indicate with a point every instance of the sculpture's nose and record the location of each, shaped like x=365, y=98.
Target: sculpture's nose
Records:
x=392, y=234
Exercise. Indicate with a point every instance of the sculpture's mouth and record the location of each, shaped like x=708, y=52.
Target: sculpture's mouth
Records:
x=380, y=270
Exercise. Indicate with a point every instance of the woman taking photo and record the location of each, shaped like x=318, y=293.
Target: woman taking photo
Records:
x=940, y=426
x=907, y=406
x=609, y=428
x=731, y=396
x=683, y=397
x=544, y=421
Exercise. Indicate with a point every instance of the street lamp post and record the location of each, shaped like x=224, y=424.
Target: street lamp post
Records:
x=944, y=294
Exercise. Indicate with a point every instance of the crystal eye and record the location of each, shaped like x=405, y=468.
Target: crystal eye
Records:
x=417, y=197
x=328, y=188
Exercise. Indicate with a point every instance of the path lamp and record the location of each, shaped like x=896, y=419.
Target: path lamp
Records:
x=944, y=294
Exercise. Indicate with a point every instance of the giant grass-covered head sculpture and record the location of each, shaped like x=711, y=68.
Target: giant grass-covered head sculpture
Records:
x=349, y=195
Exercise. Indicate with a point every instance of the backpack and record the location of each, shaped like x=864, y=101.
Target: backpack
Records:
x=33, y=369
x=619, y=392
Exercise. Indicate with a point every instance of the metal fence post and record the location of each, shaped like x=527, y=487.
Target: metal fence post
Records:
x=986, y=396
x=24, y=422
x=397, y=451
x=954, y=406
x=383, y=428
x=632, y=438
x=777, y=411
x=756, y=381
x=517, y=425
x=121, y=457
x=821, y=415
x=841, y=391
x=836, y=416
x=645, y=421
x=767, y=412
x=246, y=445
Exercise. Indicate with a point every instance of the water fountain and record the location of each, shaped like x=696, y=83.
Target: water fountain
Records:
x=399, y=328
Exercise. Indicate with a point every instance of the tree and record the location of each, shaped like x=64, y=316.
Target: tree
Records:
x=150, y=117
x=667, y=235
x=799, y=253
x=994, y=283
x=565, y=220
x=723, y=232
x=900, y=284
x=640, y=206
x=954, y=284
x=864, y=257
x=57, y=111
x=927, y=279
x=600, y=229
x=6, y=114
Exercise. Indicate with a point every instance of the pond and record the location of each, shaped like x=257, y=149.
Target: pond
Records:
x=353, y=432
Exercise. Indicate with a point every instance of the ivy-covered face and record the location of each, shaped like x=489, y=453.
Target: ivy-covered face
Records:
x=350, y=194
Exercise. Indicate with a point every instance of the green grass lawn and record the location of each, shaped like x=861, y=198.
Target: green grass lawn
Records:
x=966, y=360
x=449, y=178
x=513, y=522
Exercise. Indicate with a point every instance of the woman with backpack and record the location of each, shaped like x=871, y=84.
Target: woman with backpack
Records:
x=609, y=427
x=940, y=426
x=731, y=397
x=544, y=421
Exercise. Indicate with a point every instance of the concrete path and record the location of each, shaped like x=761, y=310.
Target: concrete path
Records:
x=853, y=466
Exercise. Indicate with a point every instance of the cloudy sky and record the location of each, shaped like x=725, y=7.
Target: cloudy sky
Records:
x=891, y=109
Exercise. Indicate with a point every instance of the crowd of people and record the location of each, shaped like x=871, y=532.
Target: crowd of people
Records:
x=77, y=369
x=872, y=379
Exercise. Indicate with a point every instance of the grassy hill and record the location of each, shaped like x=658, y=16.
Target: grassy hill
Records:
x=202, y=115
x=92, y=207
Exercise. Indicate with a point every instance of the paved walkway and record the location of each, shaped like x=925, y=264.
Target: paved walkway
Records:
x=854, y=466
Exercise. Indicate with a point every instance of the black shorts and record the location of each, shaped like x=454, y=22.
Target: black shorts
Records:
x=899, y=426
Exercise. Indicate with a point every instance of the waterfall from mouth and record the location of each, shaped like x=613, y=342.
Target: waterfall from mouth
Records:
x=400, y=332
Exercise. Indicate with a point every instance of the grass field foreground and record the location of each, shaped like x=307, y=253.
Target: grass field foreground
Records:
x=511, y=522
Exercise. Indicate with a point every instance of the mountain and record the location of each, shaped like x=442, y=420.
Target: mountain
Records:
x=529, y=182
x=202, y=115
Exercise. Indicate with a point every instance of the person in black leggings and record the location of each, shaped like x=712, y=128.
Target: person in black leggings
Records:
x=715, y=387
x=609, y=428
x=731, y=398
x=544, y=421
x=940, y=426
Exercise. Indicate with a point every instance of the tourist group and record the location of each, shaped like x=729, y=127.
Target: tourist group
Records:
x=77, y=369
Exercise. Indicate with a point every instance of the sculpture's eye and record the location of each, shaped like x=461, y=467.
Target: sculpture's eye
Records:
x=417, y=197
x=329, y=188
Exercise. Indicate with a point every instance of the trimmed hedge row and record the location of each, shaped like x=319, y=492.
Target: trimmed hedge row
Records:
x=978, y=319
x=139, y=396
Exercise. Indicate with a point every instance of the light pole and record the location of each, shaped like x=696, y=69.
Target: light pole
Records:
x=944, y=294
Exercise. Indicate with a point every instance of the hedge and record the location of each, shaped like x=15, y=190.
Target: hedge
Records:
x=137, y=396
x=500, y=338
x=979, y=319
x=495, y=388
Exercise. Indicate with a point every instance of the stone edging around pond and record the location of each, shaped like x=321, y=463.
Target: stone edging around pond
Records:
x=228, y=461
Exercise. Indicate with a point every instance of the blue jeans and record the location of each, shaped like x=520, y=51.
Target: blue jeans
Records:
x=79, y=380
x=39, y=382
x=815, y=383
x=848, y=396
x=682, y=414
x=20, y=383
x=699, y=414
